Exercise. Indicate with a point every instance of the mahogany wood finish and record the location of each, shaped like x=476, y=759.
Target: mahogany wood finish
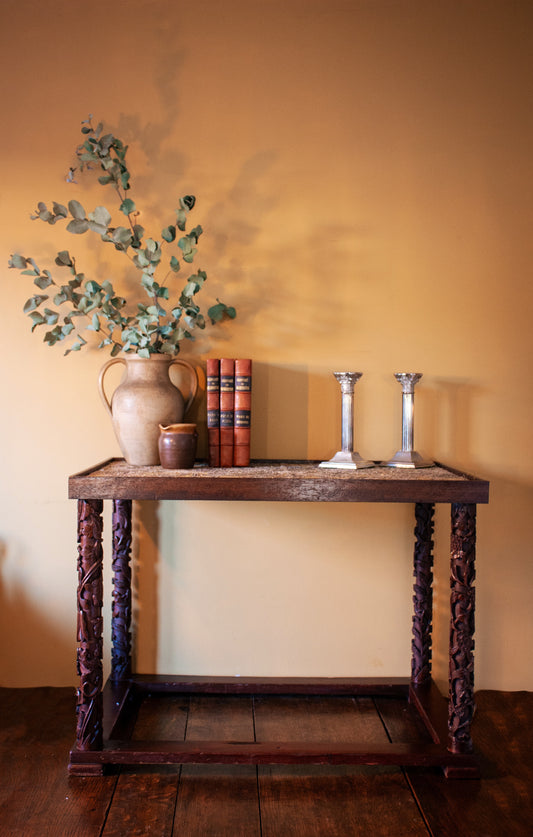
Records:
x=106, y=720
x=121, y=614
x=90, y=595
x=37, y=797
x=423, y=593
x=463, y=551
x=287, y=481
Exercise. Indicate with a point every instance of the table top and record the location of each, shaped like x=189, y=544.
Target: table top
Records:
x=278, y=480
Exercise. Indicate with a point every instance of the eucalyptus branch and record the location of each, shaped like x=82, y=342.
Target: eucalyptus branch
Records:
x=150, y=328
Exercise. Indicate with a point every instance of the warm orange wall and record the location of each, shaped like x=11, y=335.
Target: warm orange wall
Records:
x=363, y=176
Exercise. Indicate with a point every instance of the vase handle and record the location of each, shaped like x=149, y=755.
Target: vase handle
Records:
x=101, y=390
x=194, y=380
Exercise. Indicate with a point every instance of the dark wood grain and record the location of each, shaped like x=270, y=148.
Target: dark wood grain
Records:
x=501, y=802
x=162, y=718
x=272, y=685
x=401, y=721
x=463, y=573
x=89, y=730
x=218, y=800
x=143, y=804
x=122, y=595
x=308, y=802
x=37, y=797
x=157, y=718
x=318, y=719
x=423, y=594
x=278, y=481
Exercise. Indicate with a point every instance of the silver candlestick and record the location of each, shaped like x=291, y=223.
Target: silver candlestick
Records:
x=347, y=457
x=407, y=457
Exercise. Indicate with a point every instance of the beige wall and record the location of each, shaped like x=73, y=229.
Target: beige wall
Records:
x=363, y=174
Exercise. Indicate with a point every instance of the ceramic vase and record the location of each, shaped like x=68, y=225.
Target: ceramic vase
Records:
x=145, y=399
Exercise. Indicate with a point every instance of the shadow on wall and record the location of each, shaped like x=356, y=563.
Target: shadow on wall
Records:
x=504, y=553
x=40, y=654
x=504, y=626
x=504, y=580
x=447, y=421
x=280, y=411
x=296, y=414
x=145, y=608
x=281, y=428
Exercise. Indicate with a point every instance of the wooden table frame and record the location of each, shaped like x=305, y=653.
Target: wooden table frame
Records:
x=106, y=715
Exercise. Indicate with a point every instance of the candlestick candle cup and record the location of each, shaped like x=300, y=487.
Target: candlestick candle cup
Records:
x=347, y=457
x=407, y=457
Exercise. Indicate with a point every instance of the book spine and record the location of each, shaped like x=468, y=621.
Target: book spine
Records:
x=243, y=412
x=227, y=409
x=213, y=411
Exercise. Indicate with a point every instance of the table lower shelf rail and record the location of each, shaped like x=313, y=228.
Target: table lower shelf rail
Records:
x=122, y=700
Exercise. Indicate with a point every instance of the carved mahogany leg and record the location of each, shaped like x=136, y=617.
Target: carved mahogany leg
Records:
x=90, y=593
x=121, y=614
x=463, y=551
x=423, y=594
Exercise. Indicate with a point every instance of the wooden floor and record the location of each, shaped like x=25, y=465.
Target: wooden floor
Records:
x=38, y=798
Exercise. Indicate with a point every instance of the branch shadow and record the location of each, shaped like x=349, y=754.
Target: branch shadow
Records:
x=145, y=600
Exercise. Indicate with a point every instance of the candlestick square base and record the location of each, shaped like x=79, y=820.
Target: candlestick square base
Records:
x=408, y=459
x=347, y=459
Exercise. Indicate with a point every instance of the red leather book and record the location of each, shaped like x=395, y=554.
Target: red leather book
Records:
x=243, y=412
x=227, y=407
x=213, y=411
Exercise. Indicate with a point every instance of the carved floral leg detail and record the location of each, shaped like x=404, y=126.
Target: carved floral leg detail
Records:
x=423, y=594
x=90, y=594
x=463, y=550
x=121, y=614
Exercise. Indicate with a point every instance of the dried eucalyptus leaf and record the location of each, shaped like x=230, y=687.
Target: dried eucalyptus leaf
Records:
x=100, y=215
x=33, y=302
x=169, y=233
x=127, y=206
x=76, y=210
x=17, y=261
x=78, y=226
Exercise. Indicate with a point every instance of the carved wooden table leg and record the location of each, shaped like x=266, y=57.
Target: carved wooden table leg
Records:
x=423, y=594
x=89, y=734
x=463, y=551
x=121, y=614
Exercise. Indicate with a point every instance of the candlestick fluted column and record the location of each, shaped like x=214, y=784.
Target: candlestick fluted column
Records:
x=347, y=457
x=407, y=457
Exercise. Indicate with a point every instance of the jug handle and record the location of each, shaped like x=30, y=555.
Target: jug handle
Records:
x=194, y=380
x=101, y=390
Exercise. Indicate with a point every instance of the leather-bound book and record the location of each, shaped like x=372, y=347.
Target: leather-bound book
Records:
x=213, y=411
x=227, y=407
x=243, y=412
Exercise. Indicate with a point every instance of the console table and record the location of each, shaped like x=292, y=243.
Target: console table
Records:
x=106, y=715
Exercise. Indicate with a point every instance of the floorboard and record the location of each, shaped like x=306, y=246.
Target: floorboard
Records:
x=218, y=800
x=501, y=803
x=39, y=799
x=145, y=802
x=37, y=796
x=308, y=801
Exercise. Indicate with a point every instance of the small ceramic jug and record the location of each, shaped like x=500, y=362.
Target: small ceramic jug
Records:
x=177, y=445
